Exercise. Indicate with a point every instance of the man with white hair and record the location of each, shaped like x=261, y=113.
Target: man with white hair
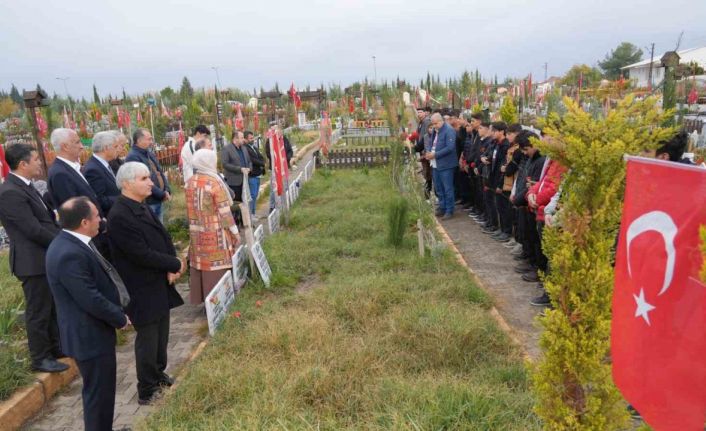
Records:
x=145, y=257
x=97, y=168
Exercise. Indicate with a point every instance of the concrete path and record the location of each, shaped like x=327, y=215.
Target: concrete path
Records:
x=493, y=264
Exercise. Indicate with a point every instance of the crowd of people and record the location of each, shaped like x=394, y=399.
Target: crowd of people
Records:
x=496, y=174
x=93, y=255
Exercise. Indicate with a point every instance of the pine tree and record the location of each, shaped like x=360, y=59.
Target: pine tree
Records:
x=96, y=97
x=508, y=111
x=572, y=381
x=16, y=96
x=428, y=87
x=186, y=92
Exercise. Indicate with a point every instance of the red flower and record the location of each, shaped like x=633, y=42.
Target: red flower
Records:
x=236, y=314
x=258, y=304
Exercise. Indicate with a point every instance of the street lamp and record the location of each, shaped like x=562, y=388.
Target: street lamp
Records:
x=375, y=70
x=218, y=79
x=71, y=108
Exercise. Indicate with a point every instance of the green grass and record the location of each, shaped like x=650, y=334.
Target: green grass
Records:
x=14, y=357
x=354, y=334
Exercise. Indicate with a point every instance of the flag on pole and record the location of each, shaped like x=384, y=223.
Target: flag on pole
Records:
x=67, y=123
x=239, y=123
x=659, y=303
x=120, y=117
x=277, y=176
x=256, y=121
x=139, y=117
x=295, y=96
x=180, y=138
x=165, y=110
x=351, y=105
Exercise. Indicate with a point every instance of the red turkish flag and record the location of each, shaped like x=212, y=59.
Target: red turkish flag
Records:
x=658, y=344
x=277, y=176
x=351, y=105
x=4, y=167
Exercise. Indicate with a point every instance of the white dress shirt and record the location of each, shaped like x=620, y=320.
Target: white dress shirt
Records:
x=83, y=238
x=75, y=165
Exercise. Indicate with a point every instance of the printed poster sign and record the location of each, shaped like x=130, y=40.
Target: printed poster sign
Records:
x=263, y=266
x=219, y=300
x=273, y=221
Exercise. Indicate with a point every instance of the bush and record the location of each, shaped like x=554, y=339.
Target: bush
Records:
x=397, y=221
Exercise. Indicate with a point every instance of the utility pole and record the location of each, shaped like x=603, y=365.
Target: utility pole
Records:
x=546, y=65
x=71, y=108
x=375, y=70
x=652, y=58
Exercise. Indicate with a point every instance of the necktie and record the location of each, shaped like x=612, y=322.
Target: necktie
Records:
x=114, y=276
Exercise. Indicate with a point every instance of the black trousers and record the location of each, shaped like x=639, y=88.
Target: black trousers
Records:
x=542, y=261
x=491, y=212
x=532, y=242
x=477, y=190
x=98, y=392
x=502, y=202
x=40, y=318
x=238, y=190
x=151, y=355
x=464, y=187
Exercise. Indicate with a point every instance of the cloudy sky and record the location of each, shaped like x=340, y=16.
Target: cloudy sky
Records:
x=149, y=44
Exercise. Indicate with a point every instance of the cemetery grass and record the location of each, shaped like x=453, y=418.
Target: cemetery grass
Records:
x=14, y=357
x=354, y=334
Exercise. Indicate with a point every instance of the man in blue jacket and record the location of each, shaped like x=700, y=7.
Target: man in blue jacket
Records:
x=141, y=142
x=89, y=297
x=443, y=160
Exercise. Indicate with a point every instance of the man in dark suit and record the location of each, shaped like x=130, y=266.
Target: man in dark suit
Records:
x=145, y=258
x=236, y=163
x=88, y=303
x=97, y=168
x=30, y=224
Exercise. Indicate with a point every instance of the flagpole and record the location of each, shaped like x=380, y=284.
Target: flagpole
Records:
x=151, y=122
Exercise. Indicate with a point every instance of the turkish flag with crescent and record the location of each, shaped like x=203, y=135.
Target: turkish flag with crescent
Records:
x=658, y=333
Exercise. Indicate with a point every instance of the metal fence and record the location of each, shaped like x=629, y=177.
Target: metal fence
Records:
x=354, y=157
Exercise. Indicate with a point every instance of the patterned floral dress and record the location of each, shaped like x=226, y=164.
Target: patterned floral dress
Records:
x=210, y=223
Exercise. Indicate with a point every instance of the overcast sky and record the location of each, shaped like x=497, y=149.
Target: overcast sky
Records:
x=149, y=44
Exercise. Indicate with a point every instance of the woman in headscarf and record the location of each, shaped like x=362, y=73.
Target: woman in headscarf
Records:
x=213, y=232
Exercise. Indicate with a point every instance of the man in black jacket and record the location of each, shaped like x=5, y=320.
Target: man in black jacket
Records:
x=142, y=141
x=144, y=255
x=530, y=174
x=31, y=226
x=258, y=169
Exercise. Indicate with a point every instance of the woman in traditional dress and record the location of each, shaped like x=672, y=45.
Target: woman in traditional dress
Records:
x=213, y=232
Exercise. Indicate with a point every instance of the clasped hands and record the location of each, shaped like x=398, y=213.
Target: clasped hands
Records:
x=174, y=276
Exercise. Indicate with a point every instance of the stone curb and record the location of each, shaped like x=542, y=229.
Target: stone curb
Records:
x=28, y=401
x=493, y=311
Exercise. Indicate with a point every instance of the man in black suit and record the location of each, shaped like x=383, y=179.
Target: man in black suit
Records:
x=30, y=224
x=236, y=163
x=89, y=306
x=66, y=181
x=97, y=169
x=145, y=258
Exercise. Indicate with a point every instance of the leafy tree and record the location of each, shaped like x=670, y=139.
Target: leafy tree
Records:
x=508, y=111
x=167, y=93
x=573, y=386
x=186, y=92
x=16, y=96
x=626, y=53
x=7, y=108
x=591, y=76
x=96, y=97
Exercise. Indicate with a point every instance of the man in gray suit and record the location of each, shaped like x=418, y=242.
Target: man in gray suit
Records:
x=236, y=163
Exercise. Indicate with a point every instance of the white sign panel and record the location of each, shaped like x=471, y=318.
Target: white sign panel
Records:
x=273, y=221
x=261, y=261
x=240, y=264
x=219, y=300
x=259, y=234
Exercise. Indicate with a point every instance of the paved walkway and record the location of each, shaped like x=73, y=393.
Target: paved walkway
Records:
x=65, y=412
x=493, y=264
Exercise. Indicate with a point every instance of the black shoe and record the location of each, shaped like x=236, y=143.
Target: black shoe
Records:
x=521, y=268
x=503, y=237
x=166, y=381
x=151, y=399
x=531, y=276
x=541, y=301
x=50, y=365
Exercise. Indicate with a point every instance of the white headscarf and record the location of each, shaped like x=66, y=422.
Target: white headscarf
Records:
x=205, y=162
